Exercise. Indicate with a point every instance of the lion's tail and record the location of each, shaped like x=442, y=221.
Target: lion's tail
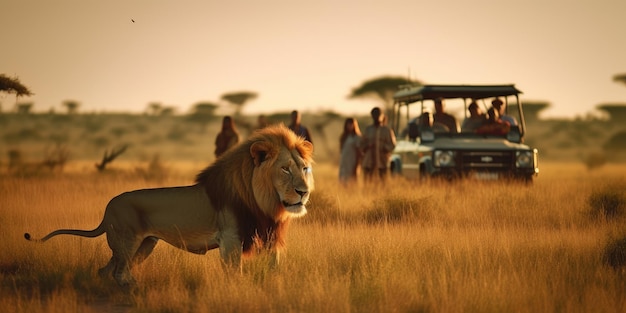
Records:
x=76, y=232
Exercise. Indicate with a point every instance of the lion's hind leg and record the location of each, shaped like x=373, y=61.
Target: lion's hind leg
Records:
x=145, y=249
x=107, y=269
x=124, y=249
x=121, y=270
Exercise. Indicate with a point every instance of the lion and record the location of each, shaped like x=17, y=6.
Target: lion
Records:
x=240, y=204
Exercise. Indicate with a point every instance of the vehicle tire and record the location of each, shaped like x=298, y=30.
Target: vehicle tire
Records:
x=395, y=166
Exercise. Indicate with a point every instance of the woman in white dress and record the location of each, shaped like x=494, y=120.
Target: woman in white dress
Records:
x=350, y=153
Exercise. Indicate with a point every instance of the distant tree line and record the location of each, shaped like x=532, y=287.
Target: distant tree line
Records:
x=381, y=88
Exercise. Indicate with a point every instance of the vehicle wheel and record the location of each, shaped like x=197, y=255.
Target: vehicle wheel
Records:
x=395, y=167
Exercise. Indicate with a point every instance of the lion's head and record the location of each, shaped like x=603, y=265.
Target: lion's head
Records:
x=269, y=172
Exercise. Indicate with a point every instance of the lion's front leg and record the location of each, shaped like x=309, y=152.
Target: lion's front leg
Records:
x=231, y=246
x=231, y=249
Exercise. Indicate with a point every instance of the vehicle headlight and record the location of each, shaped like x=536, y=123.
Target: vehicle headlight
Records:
x=524, y=159
x=444, y=158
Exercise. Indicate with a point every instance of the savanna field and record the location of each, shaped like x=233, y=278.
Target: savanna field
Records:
x=409, y=246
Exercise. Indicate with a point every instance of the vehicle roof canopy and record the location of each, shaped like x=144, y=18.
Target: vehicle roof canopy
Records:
x=430, y=92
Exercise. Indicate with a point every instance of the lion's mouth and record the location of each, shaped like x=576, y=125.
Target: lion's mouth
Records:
x=286, y=204
x=295, y=209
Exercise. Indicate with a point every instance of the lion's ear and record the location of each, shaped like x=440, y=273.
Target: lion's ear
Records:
x=260, y=151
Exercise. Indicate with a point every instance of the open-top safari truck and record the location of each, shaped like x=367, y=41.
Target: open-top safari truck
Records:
x=423, y=152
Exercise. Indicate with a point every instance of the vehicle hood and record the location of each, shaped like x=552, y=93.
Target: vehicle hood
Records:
x=461, y=144
x=475, y=144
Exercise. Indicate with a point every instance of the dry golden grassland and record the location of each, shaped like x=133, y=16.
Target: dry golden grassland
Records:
x=407, y=247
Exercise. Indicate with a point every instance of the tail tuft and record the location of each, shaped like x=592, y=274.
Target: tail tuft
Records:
x=27, y=236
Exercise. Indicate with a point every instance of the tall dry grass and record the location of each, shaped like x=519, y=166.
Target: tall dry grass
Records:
x=405, y=247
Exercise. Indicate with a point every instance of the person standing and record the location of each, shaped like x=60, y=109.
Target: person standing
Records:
x=377, y=143
x=350, y=158
x=298, y=128
x=227, y=137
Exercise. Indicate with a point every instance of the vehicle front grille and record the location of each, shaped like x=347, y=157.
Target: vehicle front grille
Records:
x=486, y=160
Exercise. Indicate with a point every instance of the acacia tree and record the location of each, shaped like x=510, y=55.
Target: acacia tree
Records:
x=621, y=78
x=154, y=108
x=239, y=99
x=71, y=106
x=13, y=85
x=202, y=113
x=382, y=88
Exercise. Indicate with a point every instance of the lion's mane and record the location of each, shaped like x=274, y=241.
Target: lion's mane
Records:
x=229, y=183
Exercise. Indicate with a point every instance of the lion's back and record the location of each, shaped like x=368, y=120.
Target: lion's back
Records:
x=162, y=207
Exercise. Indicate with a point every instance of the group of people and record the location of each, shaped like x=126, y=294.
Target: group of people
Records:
x=369, y=150
x=439, y=122
x=229, y=136
x=372, y=149
x=495, y=122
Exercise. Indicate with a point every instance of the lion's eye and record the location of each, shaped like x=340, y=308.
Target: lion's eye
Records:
x=285, y=170
x=306, y=170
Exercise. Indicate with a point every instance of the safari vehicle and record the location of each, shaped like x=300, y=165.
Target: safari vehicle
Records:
x=422, y=152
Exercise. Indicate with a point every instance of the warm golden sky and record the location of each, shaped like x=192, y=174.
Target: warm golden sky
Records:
x=308, y=54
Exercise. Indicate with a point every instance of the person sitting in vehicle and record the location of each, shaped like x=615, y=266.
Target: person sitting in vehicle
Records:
x=475, y=120
x=501, y=107
x=494, y=125
x=444, y=118
x=422, y=123
x=427, y=122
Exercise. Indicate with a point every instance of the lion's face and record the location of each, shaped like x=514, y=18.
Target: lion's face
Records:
x=293, y=183
x=290, y=181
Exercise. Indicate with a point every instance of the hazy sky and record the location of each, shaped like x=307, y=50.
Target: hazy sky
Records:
x=308, y=54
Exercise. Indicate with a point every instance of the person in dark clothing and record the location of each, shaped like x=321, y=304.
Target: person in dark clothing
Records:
x=298, y=128
x=444, y=118
x=227, y=137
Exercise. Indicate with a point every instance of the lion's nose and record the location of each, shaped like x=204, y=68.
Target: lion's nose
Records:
x=302, y=192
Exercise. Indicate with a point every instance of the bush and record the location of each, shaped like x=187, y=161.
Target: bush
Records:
x=176, y=133
x=608, y=203
x=615, y=253
x=156, y=170
x=23, y=134
x=616, y=142
x=594, y=161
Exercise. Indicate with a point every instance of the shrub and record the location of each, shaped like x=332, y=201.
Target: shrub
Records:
x=176, y=133
x=156, y=170
x=615, y=253
x=608, y=203
x=616, y=142
x=594, y=161
x=118, y=132
x=22, y=135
